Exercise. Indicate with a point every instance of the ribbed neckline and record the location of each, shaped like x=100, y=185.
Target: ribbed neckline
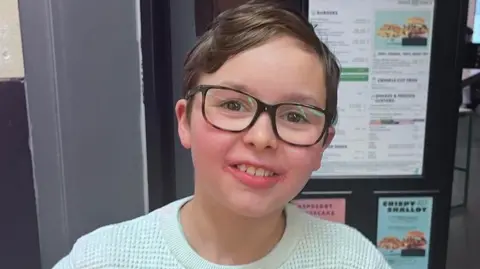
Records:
x=186, y=256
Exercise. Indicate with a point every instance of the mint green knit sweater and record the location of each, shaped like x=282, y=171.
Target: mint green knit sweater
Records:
x=156, y=241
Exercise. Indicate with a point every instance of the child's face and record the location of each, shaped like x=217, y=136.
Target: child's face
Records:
x=273, y=73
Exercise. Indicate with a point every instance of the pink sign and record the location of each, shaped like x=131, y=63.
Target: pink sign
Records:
x=329, y=209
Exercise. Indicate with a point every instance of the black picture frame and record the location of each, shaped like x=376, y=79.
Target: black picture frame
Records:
x=440, y=136
x=436, y=244
x=445, y=71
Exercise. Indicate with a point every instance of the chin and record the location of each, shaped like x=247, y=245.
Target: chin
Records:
x=252, y=213
x=248, y=206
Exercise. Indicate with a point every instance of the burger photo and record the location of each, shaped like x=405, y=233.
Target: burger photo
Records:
x=416, y=27
x=391, y=243
x=415, y=240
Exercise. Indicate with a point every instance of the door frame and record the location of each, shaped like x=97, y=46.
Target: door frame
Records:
x=157, y=98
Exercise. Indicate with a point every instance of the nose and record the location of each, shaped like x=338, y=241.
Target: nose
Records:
x=261, y=135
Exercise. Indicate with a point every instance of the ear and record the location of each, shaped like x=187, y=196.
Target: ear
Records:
x=329, y=137
x=183, y=123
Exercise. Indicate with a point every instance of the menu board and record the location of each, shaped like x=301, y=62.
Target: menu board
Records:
x=403, y=231
x=384, y=50
x=332, y=209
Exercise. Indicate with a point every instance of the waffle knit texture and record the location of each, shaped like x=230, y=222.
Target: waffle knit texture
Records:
x=156, y=241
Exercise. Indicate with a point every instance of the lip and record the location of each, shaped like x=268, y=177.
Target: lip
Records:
x=254, y=182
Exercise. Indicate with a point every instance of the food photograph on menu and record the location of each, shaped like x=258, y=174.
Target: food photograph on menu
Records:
x=403, y=231
x=412, y=244
x=402, y=29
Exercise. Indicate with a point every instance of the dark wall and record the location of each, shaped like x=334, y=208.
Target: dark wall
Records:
x=18, y=224
x=206, y=10
x=182, y=16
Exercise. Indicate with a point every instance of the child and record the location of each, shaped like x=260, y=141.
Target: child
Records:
x=260, y=98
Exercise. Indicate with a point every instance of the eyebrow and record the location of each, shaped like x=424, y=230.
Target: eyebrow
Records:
x=292, y=96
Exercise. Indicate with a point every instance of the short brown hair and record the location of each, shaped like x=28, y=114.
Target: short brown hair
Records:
x=251, y=25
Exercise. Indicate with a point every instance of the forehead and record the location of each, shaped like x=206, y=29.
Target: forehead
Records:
x=276, y=71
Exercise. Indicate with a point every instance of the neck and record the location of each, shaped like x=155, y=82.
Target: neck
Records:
x=223, y=237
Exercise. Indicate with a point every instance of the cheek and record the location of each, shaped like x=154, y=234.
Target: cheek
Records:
x=304, y=159
x=301, y=162
x=209, y=145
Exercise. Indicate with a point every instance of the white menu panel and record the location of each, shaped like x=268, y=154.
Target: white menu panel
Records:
x=384, y=50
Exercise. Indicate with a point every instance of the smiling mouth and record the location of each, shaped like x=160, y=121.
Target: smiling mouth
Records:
x=255, y=171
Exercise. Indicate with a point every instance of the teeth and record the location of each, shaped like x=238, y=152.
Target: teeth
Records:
x=259, y=172
x=251, y=170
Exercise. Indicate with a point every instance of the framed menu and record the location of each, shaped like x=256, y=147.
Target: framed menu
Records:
x=332, y=209
x=403, y=231
x=384, y=48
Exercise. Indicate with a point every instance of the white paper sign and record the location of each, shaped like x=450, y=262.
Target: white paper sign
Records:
x=384, y=50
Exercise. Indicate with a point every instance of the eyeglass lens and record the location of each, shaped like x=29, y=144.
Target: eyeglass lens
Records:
x=234, y=111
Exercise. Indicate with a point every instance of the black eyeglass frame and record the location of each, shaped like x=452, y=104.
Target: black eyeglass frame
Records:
x=271, y=110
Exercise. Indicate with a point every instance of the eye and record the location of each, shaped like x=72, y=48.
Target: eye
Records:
x=296, y=117
x=232, y=105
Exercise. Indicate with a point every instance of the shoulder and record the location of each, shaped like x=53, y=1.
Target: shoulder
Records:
x=328, y=243
x=127, y=244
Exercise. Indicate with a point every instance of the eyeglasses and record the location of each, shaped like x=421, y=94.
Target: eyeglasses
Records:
x=235, y=111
